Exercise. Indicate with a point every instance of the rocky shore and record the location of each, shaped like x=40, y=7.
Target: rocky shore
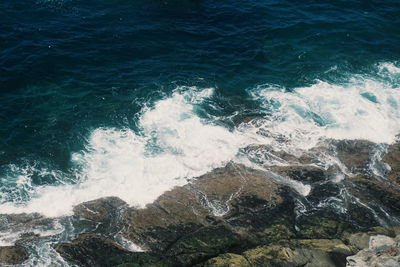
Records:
x=239, y=216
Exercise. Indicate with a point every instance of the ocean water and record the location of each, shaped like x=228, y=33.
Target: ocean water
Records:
x=131, y=98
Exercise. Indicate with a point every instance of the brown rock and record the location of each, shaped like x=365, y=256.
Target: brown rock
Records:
x=225, y=208
x=355, y=154
x=393, y=159
x=95, y=250
x=227, y=260
x=302, y=173
x=376, y=194
x=99, y=210
x=13, y=254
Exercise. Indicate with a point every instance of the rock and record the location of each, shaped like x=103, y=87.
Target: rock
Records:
x=22, y=221
x=27, y=238
x=322, y=223
x=95, y=250
x=328, y=245
x=227, y=260
x=357, y=240
x=302, y=173
x=217, y=216
x=246, y=118
x=377, y=195
x=355, y=154
x=268, y=156
x=17, y=228
x=274, y=256
x=382, y=251
x=13, y=254
x=381, y=240
x=99, y=210
x=392, y=158
x=224, y=210
x=203, y=244
x=361, y=240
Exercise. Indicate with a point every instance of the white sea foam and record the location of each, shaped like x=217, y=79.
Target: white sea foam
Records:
x=360, y=109
x=388, y=67
x=174, y=144
x=122, y=163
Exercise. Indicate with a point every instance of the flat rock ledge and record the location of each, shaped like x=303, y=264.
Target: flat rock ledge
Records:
x=236, y=216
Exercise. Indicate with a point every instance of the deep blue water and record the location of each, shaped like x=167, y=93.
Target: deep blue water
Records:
x=68, y=67
x=132, y=97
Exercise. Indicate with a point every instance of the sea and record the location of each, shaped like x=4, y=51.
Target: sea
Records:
x=130, y=98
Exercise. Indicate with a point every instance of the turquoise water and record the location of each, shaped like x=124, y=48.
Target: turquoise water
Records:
x=130, y=98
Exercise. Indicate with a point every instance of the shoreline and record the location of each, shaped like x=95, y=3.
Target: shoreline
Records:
x=234, y=214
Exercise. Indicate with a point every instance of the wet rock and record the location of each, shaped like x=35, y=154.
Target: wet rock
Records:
x=377, y=195
x=382, y=251
x=282, y=256
x=323, y=191
x=355, y=154
x=226, y=209
x=302, y=173
x=203, y=244
x=360, y=240
x=330, y=198
x=19, y=222
x=99, y=210
x=393, y=159
x=13, y=254
x=306, y=252
x=27, y=238
x=95, y=250
x=268, y=156
x=227, y=260
x=321, y=224
x=173, y=215
x=246, y=118
x=17, y=228
x=234, y=209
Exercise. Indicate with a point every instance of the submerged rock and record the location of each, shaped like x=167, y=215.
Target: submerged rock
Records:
x=13, y=254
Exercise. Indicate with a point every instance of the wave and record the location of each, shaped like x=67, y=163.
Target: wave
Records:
x=360, y=108
x=174, y=144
